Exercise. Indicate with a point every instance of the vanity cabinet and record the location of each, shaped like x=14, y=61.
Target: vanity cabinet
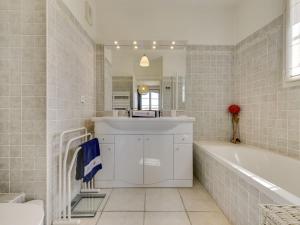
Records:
x=144, y=159
x=183, y=156
x=108, y=162
x=145, y=152
x=129, y=158
x=158, y=158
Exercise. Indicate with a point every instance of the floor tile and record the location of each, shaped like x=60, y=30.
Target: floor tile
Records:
x=104, y=202
x=208, y=218
x=163, y=206
x=121, y=218
x=197, y=199
x=90, y=221
x=166, y=218
x=126, y=199
x=195, y=193
x=163, y=199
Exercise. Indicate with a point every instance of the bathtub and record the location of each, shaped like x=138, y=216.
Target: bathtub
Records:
x=240, y=177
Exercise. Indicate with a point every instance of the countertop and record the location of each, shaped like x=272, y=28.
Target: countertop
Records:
x=139, y=119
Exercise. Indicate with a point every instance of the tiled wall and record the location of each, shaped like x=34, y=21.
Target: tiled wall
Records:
x=237, y=198
x=71, y=74
x=22, y=97
x=270, y=116
x=208, y=90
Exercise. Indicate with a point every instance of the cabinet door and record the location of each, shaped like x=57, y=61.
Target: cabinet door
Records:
x=158, y=158
x=129, y=158
x=107, y=153
x=183, y=162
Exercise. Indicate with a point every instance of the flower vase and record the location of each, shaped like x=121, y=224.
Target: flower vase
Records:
x=235, y=128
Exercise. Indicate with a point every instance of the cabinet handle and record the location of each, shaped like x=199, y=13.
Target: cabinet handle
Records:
x=183, y=139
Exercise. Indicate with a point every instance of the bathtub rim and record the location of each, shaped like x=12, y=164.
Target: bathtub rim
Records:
x=274, y=192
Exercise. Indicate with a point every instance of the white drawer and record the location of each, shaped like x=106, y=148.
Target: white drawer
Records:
x=106, y=139
x=183, y=139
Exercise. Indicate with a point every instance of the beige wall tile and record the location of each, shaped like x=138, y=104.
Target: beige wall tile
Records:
x=70, y=74
x=23, y=24
x=270, y=113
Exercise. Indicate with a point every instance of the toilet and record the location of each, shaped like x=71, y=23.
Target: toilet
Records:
x=28, y=213
x=36, y=202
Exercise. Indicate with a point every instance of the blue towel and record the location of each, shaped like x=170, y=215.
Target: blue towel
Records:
x=88, y=160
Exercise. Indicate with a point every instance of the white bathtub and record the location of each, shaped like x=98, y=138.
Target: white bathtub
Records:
x=241, y=177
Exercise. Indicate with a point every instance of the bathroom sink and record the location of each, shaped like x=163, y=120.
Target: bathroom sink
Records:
x=140, y=124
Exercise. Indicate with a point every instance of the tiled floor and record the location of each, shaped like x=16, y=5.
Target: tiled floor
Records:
x=158, y=206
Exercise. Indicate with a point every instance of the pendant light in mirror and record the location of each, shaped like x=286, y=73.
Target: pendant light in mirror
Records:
x=144, y=61
x=143, y=89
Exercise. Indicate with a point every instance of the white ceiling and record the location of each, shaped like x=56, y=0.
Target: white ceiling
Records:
x=208, y=22
x=170, y=3
x=196, y=21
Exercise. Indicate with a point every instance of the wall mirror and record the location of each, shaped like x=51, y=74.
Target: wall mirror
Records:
x=144, y=79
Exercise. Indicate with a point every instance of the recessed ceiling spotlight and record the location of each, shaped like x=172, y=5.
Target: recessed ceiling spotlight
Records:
x=115, y=42
x=154, y=47
x=172, y=47
x=135, y=42
x=136, y=47
x=173, y=42
x=154, y=42
x=118, y=47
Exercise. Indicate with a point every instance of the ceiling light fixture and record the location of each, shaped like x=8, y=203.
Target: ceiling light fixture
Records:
x=136, y=47
x=144, y=61
x=154, y=42
x=135, y=42
x=115, y=42
x=172, y=47
x=173, y=43
x=118, y=47
x=154, y=47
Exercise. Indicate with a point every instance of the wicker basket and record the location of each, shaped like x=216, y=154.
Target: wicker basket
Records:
x=280, y=215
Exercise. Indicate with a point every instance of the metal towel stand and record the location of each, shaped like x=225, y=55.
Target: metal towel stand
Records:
x=65, y=179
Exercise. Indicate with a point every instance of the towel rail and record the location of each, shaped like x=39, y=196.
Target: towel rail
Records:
x=69, y=181
x=65, y=168
x=62, y=219
x=60, y=165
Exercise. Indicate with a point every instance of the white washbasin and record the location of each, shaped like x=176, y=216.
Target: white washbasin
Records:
x=21, y=214
x=140, y=124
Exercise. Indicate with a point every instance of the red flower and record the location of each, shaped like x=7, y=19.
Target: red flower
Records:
x=234, y=109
